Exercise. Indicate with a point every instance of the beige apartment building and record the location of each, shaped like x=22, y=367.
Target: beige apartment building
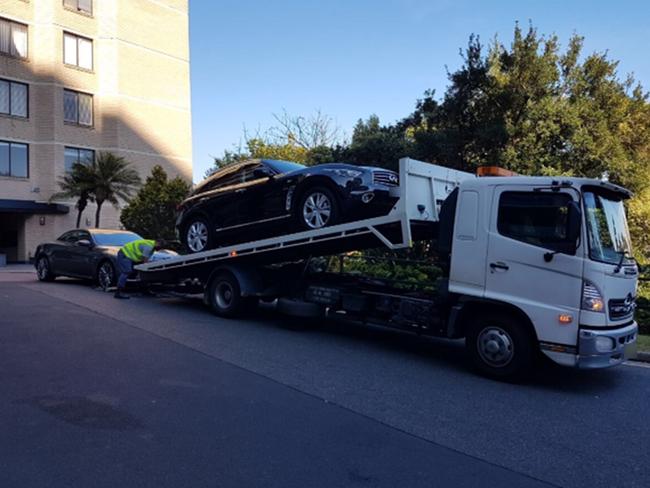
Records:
x=78, y=77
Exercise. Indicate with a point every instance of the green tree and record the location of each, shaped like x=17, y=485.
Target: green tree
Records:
x=111, y=179
x=536, y=109
x=152, y=210
x=376, y=145
x=77, y=183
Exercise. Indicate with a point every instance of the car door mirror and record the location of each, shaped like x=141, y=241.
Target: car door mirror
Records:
x=84, y=243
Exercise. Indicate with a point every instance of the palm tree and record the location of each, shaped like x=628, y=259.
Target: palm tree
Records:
x=112, y=180
x=78, y=183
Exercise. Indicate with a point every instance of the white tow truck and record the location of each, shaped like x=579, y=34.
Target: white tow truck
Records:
x=529, y=265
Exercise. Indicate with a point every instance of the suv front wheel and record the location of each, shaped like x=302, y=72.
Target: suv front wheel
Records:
x=197, y=235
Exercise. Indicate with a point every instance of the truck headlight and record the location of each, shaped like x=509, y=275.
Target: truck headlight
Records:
x=604, y=344
x=592, y=300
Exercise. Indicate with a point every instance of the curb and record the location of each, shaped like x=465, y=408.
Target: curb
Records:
x=642, y=356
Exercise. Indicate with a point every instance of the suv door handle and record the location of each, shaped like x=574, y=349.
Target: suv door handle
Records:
x=499, y=265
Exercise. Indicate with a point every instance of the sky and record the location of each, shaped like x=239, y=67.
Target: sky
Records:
x=251, y=59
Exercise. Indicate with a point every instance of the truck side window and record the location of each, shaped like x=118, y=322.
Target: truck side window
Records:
x=537, y=218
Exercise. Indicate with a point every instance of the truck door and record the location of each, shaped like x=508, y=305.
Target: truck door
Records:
x=527, y=225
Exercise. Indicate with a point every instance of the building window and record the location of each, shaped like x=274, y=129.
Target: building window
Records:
x=77, y=108
x=84, y=6
x=13, y=98
x=77, y=51
x=13, y=38
x=14, y=159
x=77, y=155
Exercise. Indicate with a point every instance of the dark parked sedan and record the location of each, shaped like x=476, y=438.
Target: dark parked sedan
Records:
x=86, y=253
x=255, y=199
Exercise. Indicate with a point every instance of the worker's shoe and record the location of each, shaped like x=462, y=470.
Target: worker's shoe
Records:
x=119, y=294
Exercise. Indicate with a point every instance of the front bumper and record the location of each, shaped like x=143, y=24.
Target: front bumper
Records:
x=623, y=343
x=372, y=201
x=620, y=344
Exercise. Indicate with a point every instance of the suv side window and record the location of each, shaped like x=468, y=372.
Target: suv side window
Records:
x=249, y=172
x=230, y=175
x=537, y=218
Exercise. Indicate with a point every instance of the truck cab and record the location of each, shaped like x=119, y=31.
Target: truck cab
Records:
x=552, y=256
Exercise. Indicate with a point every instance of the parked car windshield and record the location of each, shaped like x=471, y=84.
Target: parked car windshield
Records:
x=284, y=166
x=114, y=238
x=609, y=238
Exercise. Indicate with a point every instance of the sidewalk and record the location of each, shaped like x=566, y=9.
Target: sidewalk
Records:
x=17, y=272
x=18, y=268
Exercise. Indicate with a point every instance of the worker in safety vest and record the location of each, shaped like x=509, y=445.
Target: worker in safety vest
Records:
x=134, y=252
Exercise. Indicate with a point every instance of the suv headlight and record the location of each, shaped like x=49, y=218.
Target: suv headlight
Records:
x=346, y=173
x=592, y=300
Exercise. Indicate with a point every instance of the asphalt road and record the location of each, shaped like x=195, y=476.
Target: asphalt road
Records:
x=158, y=392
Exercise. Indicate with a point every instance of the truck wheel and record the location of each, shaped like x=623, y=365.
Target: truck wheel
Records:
x=225, y=296
x=500, y=347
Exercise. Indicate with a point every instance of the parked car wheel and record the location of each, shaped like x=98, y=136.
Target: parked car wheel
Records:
x=500, y=347
x=317, y=208
x=43, y=270
x=106, y=275
x=197, y=236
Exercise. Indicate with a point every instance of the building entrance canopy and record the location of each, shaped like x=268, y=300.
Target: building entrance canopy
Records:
x=32, y=207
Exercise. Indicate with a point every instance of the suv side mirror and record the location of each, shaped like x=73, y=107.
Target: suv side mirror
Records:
x=84, y=243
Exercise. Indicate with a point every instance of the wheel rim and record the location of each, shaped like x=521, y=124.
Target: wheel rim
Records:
x=105, y=276
x=42, y=268
x=495, y=346
x=224, y=294
x=197, y=236
x=316, y=210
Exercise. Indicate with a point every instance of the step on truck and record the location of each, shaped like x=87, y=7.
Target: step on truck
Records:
x=529, y=265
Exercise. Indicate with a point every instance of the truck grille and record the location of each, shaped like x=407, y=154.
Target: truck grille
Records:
x=387, y=178
x=621, y=308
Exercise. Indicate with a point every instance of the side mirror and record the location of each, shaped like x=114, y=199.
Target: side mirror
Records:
x=574, y=221
x=84, y=243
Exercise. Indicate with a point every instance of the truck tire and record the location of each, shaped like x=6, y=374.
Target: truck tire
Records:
x=224, y=296
x=500, y=347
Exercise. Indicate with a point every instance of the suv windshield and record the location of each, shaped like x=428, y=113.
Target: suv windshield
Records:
x=609, y=238
x=115, y=239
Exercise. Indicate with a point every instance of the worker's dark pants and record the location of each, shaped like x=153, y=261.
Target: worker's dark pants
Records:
x=125, y=268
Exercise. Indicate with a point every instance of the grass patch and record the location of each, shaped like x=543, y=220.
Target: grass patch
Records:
x=643, y=343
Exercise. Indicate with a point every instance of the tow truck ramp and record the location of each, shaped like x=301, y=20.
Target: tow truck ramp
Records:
x=422, y=189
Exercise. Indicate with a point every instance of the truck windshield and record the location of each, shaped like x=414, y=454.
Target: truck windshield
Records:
x=609, y=238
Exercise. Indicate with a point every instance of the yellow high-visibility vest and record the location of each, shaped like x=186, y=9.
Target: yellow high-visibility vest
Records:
x=132, y=249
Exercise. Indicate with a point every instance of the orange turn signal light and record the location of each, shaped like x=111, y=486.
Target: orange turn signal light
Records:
x=565, y=318
x=494, y=171
x=233, y=254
